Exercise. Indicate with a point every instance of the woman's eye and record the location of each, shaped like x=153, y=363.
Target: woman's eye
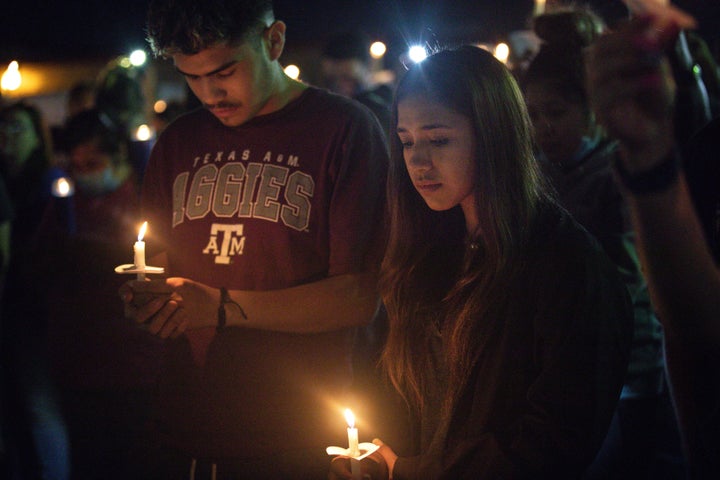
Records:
x=405, y=142
x=439, y=142
x=224, y=74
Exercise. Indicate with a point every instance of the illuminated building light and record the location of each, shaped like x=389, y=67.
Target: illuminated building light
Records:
x=160, y=106
x=11, y=78
x=377, y=49
x=502, y=52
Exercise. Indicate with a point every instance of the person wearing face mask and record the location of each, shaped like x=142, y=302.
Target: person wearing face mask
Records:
x=576, y=156
x=103, y=366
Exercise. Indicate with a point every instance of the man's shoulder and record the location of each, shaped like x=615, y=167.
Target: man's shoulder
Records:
x=188, y=123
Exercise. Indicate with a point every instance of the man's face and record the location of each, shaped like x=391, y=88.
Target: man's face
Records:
x=233, y=82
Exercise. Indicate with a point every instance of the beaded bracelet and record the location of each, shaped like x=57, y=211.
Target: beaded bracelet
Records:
x=657, y=179
x=225, y=299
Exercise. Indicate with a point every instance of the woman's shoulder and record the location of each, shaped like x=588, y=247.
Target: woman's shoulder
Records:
x=556, y=234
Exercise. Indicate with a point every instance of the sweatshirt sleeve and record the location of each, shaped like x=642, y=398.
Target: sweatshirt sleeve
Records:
x=581, y=325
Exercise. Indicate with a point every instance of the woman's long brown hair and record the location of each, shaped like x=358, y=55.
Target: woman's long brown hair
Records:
x=424, y=282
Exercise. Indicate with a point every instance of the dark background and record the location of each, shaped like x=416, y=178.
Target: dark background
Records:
x=80, y=29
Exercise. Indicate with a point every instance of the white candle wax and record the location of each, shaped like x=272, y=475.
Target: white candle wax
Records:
x=356, y=469
x=139, y=249
x=353, y=442
x=353, y=449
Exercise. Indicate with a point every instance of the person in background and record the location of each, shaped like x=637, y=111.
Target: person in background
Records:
x=577, y=155
x=632, y=91
x=103, y=366
x=266, y=209
x=33, y=428
x=121, y=103
x=5, y=223
x=162, y=119
x=81, y=97
x=27, y=166
x=709, y=70
x=346, y=68
x=509, y=326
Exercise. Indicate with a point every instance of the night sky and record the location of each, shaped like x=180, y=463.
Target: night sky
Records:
x=73, y=29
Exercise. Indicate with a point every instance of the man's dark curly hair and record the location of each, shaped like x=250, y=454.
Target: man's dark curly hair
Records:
x=189, y=26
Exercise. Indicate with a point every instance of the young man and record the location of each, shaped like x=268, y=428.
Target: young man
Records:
x=265, y=208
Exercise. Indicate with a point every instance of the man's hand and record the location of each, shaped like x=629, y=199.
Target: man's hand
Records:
x=169, y=307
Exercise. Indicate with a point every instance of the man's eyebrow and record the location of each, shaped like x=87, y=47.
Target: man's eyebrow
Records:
x=219, y=69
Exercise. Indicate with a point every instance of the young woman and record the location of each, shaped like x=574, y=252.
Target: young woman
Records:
x=509, y=328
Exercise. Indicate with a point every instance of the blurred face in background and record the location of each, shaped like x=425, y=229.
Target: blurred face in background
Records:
x=347, y=77
x=18, y=140
x=95, y=171
x=559, y=122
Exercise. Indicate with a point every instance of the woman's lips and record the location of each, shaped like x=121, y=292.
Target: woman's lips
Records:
x=427, y=186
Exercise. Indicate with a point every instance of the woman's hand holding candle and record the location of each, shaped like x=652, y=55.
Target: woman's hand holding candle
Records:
x=373, y=467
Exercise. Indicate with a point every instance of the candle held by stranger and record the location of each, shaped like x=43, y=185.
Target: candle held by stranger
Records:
x=139, y=249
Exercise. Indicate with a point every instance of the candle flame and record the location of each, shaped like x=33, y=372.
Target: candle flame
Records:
x=349, y=418
x=141, y=234
x=62, y=187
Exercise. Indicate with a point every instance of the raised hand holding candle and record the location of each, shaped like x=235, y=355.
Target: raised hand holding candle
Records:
x=663, y=11
x=139, y=249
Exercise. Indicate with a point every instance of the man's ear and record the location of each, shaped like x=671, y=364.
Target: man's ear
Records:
x=275, y=38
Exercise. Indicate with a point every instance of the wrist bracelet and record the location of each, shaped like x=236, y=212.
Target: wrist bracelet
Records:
x=657, y=179
x=225, y=299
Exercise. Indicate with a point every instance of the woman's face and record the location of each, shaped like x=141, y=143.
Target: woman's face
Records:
x=559, y=124
x=18, y=140
x=439, y=149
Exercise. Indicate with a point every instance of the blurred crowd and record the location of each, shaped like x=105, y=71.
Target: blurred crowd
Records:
x=78, y=377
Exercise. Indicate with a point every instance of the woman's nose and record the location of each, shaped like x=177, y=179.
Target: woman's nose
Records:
x=418, y=159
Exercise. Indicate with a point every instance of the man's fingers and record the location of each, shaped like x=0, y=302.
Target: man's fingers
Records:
x=160, y=323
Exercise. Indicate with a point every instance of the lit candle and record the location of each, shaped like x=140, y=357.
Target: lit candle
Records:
x=63, y=190
x=139, y=249
x=353, y=449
